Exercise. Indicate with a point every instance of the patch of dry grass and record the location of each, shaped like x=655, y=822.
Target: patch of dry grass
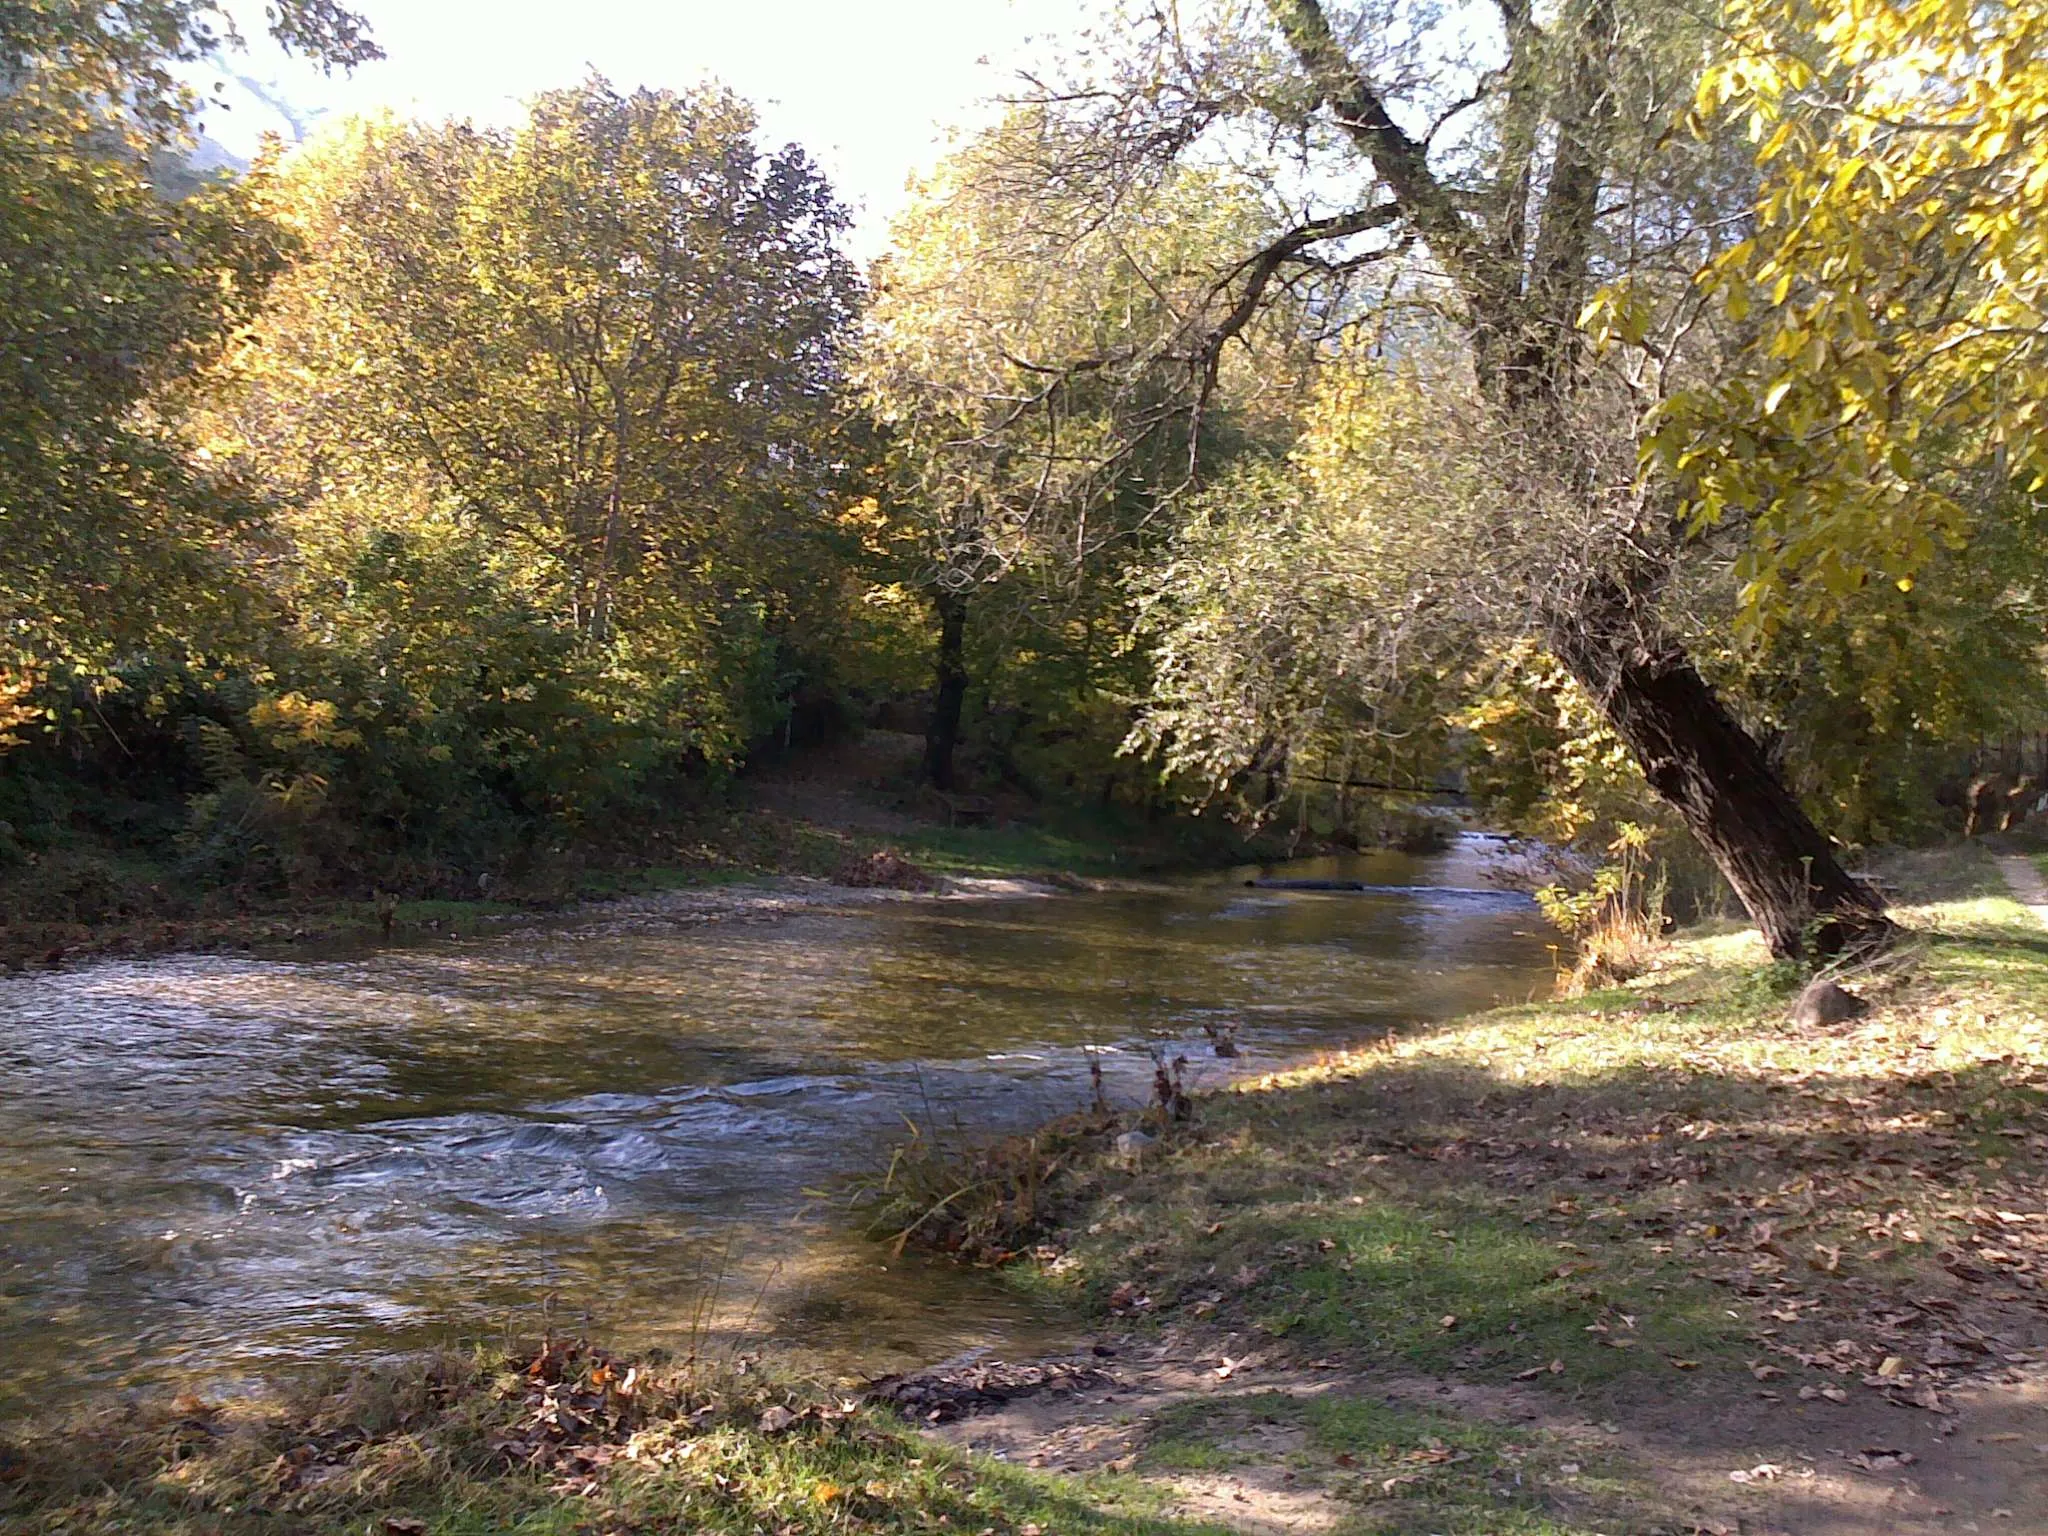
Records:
x=566, y=1439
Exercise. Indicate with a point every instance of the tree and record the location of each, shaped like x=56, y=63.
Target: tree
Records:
x=112, y=295
x=606, y=341
x=1012, y=469
x=1887, y=409
x=1490, y=197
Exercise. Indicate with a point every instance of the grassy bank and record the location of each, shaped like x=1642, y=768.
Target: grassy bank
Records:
x=1657, y=1188
x=85, y=902
x=1663, y=1206
x=563, y=1439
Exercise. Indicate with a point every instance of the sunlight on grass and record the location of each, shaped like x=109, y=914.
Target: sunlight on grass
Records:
x=1664, y=1188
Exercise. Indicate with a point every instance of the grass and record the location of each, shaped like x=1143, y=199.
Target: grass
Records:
x=567, y=1440
x=1396, y=1468
x=1656, y=1192
x=1075, y=840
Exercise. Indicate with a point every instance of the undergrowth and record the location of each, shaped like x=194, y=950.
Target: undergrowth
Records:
x=564, y=1438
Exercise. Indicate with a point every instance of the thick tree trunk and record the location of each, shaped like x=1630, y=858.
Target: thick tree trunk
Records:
x=1698, y=757
x=942, y=735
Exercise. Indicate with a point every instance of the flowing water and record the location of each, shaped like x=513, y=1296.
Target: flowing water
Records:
x=211, y=1165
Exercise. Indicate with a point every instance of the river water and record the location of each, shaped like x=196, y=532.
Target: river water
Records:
x=213, y=1165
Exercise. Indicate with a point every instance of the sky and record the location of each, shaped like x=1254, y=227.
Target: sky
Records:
x=869, y=87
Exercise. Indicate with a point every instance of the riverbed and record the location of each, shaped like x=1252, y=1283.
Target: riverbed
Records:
x=214, y=1166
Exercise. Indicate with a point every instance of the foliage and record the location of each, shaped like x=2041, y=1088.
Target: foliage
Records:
x=452, y=489
x=1889, y=394
x=1617, y=920
x=111, y=295
x=1020, y=489
x=114, y=531
x=602, y=344
x=1293, y=618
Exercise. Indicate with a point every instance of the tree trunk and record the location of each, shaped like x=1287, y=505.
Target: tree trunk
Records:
x=942, y=735
x=1698, y=757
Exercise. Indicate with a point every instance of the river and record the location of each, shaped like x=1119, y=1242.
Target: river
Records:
x=211, y=1166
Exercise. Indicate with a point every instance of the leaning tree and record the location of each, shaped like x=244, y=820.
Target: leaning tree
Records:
x=1498, y=173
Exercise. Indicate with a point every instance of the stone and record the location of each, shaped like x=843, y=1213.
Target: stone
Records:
x=1133, y=1145
x=1824, y=1003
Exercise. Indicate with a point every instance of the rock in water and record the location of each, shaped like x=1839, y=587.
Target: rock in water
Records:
x=1824, y=1003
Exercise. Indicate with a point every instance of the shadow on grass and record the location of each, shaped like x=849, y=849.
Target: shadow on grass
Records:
x=1636, y=1221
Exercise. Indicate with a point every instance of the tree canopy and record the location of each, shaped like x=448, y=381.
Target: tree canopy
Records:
x=1622, y=411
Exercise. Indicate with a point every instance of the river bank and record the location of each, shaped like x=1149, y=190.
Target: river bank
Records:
x=1655, y=1259
x=638, y=1118
x=754, y=858
x=1651, y=1260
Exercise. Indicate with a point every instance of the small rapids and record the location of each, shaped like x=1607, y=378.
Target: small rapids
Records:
x=214, y=1165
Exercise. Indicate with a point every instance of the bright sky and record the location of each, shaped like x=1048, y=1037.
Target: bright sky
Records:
x=869, y=87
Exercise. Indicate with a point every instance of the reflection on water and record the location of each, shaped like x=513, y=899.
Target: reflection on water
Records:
x=211, y=1163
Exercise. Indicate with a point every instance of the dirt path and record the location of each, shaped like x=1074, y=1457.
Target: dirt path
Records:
x=2028, y=888
x=1236, y=1444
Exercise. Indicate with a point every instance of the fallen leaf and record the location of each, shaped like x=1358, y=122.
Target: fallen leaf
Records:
x=1762, y=1472
x=1126, y=1297
x=1926, y=1397
x=1448, y=1320
x=776, y=1420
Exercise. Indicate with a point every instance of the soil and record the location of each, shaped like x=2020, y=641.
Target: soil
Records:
x=1853, y=1469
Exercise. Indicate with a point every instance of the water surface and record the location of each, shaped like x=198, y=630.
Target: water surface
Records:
x=211, y=1164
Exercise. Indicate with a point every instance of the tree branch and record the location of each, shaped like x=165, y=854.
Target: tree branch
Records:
x=1401, y=162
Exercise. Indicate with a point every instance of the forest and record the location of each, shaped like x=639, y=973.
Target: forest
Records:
x=1307, y=812
x=1623, y=416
